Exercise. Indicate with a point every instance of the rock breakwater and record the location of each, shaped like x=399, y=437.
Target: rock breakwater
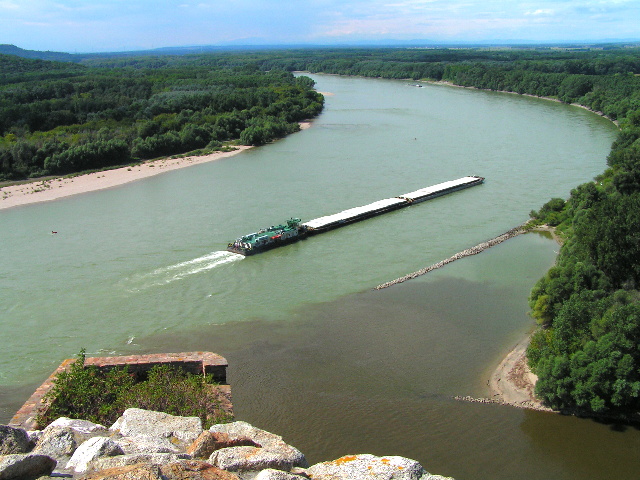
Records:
x=464, y=253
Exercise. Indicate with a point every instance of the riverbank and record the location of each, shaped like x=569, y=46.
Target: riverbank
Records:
x=552, y=99
x=60, y=187
x=53, y=189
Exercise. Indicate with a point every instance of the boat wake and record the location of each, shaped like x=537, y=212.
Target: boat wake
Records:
x=166, y=275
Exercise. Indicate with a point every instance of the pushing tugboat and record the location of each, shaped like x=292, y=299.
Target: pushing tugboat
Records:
x=268, y=238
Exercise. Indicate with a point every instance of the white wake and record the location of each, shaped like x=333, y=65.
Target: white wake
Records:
x=166, y=275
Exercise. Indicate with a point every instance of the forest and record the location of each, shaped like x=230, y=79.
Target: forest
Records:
x=97, y=110
x=60, y=118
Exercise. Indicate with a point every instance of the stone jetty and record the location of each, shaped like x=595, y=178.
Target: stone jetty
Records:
x=146, y=445
x=464, y=253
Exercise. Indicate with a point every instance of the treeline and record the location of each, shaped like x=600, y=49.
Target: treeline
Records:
x=58, y=118
x=587, y=353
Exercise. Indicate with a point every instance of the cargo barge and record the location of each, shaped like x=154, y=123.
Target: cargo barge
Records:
x=294, y=230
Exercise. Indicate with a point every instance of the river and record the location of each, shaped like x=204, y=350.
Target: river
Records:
x=316, y=355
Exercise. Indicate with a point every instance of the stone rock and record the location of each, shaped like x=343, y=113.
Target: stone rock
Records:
x=13, y=440
x=25, y=466
x=236, y=430
x=208, y=442
x=82, y=427
x=93, y=448
x=57, y=442
x=271, y=452
x=136, y=422
x=270, y=474
x=142, y=471
x=256, y=458
x=356, y=467
x=195, y=470
x=104, y=463
x=144, y=444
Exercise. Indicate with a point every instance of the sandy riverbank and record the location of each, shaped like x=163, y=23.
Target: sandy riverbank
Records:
x=513, y=382
x=53, y=189
x=43, y=191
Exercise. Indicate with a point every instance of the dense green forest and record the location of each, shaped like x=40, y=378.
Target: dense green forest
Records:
x=59, y=117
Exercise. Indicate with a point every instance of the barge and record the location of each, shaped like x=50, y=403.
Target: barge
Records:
x=294, y=230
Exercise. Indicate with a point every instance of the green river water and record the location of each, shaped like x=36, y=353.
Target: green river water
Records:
x=315, y=354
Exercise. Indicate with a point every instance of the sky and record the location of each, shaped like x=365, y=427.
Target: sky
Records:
x=79, y=26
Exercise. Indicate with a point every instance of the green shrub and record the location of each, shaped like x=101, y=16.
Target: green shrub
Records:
x=101, y=396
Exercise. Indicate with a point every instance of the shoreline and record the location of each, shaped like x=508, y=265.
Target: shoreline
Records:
x=61, y=187
x=38, y=191
x=451, y=84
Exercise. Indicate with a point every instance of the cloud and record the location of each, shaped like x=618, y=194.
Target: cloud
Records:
x=541, y=11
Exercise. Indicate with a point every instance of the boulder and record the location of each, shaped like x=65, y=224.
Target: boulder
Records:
x=142, y=471
x=135, y=422
x=13, y=440
x=270, y=474
x=58, y=443
x=356, y=467
x=244, y=430
x=82, y=427
x=143, y=444
x=25, y=466
x=270, y=450
x=103, y=463
x=93, y=448
x=208, y=442
x=257, y=458
x=195, y=470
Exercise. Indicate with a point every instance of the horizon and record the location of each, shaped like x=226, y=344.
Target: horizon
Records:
x=80, y=26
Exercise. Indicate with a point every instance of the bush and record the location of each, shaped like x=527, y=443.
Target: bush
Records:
x=101, y=396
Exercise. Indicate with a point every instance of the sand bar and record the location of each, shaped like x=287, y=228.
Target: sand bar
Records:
x=53, y=189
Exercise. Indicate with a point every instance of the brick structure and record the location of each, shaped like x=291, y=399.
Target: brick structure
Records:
x=192, y=362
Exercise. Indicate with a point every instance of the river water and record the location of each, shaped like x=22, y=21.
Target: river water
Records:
x=315, y=354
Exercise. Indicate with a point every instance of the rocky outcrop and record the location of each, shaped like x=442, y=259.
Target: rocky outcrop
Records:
x=143, y=445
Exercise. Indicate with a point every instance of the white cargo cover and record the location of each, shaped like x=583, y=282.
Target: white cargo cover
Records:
x=352, y=213
x=425, y=192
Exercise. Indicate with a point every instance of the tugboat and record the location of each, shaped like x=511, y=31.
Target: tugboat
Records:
x=268, y=238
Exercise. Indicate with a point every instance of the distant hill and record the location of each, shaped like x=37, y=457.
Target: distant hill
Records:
x=34, y=54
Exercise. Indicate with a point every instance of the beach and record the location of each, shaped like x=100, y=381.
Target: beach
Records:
x=55, y=188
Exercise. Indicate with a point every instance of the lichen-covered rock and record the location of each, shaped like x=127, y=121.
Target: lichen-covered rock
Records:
x=137, y=458
x=208, y=442
x=195, y=470
x=270, y=474
x=141, y=471
x=137, y=422
x=25, y=466
x=357, y=467
x=92, y=449
x=13, y=440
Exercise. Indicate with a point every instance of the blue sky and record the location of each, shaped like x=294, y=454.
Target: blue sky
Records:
x=110, y=25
